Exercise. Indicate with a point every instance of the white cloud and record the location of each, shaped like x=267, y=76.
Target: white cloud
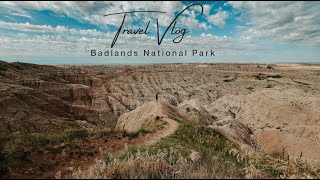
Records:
x=284, y=21
x=93, y=11
x=59, y=47
x=62, y=45
x=206, y=9
x=22, y=15
x=281, y=21
x=219, y=19
x=27, y=27
x=192, y=23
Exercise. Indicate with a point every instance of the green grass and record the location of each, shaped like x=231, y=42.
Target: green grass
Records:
x=203, y=139
x=219, y=158
x=103, y=132
x=189, y=136
x=42, y=139
x=73, y=134
x=174, y=153
x=170, y=158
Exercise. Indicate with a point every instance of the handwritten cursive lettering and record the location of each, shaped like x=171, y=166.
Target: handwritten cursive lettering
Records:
x=174, y=31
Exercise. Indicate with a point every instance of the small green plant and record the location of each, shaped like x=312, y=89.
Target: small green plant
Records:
x=73, y=134
x=42, y=139
x=36, y=139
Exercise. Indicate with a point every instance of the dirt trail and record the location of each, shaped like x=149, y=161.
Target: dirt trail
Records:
x=116, y=145
x=169, y=129
x=148, y=113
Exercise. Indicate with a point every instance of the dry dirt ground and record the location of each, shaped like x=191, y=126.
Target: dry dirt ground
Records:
x=273, y=109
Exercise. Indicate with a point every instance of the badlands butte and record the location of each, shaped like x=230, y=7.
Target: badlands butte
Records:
x=266, y=110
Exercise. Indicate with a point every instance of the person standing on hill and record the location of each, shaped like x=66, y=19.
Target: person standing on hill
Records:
x=157, y=97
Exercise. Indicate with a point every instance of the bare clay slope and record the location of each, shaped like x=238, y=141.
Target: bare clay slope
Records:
x=41, y=98
x=280, y=120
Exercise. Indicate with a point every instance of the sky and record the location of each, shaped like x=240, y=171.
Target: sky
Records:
x=246, y=32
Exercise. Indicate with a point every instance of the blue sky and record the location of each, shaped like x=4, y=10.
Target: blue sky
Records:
x=66, y=32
